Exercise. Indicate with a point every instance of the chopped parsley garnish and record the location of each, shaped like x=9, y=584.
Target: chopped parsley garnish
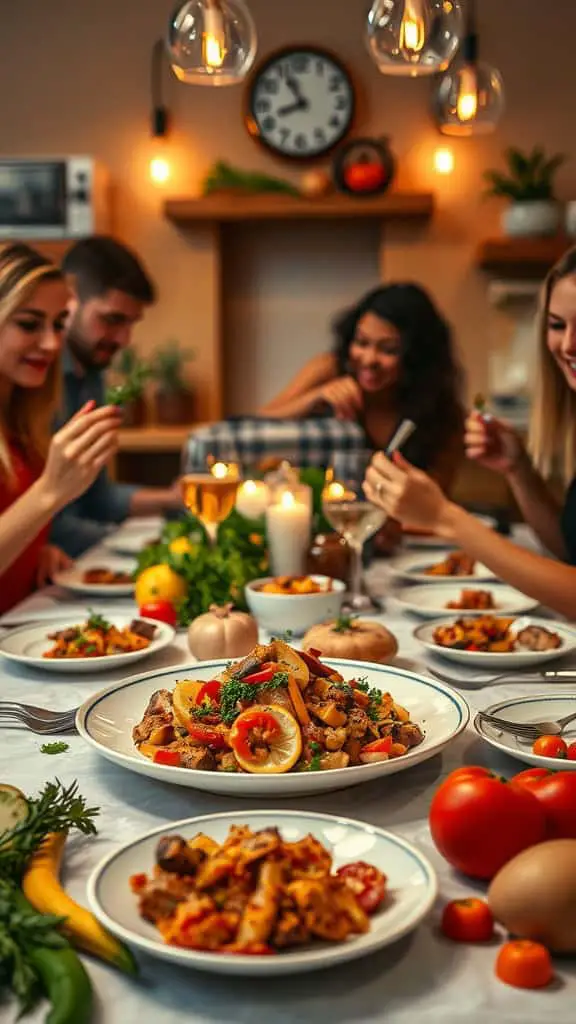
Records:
x=235, y=690
x=91, y=649
x=97, y=621
x=374, y=697
x=59, y=747
x=314, y=765
x=207, y=707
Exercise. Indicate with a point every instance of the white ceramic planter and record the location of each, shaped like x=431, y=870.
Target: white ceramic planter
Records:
x=570, y=219
x=533, y=218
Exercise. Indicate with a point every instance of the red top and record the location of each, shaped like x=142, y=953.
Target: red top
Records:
x=19, y=581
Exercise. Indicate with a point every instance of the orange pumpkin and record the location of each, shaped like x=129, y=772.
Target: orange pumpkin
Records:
x=353, y=639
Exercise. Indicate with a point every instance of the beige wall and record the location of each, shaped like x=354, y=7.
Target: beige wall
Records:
x=74, y=78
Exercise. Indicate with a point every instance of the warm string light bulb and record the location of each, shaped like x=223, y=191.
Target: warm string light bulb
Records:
x=414, y=27
x=214, y=37
x=467, y=102
x=159, y=170
x=414, y=37
x=444, y=161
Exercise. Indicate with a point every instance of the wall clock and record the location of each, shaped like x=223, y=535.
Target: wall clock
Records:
x=300, y=102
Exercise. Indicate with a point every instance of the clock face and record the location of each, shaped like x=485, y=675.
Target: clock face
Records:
x=300, y=103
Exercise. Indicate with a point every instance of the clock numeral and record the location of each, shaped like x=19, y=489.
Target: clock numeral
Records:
x=320, y=135
x=335, y=122
x=285, y=134
x=262, y=106
x=269, y=124
x=300, y=141
x=300, y=63
x=270, y=85
x=320, y=68
x=335, y=83
x=341, y=103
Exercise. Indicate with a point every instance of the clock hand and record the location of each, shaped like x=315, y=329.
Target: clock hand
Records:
x=302, y=104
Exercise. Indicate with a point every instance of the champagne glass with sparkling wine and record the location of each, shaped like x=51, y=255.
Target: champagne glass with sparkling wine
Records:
x=210, y=494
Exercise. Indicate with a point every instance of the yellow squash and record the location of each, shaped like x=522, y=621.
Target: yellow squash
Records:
x=41, y=886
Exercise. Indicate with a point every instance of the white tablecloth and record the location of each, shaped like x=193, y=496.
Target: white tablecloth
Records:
x=423, y=978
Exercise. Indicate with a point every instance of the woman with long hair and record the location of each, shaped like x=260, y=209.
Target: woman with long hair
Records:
x=39, y=474
x=409, y=494
x=393, y=358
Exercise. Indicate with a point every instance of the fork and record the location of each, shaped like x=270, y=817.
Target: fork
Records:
x=559, y=676
x=527, y=730
x=43, y=714
x=15, y=714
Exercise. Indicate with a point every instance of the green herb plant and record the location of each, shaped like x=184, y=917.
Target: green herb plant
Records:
x=167, y=367
x=134, y=372
x=529, y=177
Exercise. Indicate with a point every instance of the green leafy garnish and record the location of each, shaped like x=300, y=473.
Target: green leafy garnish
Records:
x=314, y=764
x=374, y=695
x=97, y=621
x=343, y=624
x=58, y=747
x=235, y=690
x=207, y=707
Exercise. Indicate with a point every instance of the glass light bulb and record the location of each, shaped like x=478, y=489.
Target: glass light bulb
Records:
x=211, y=42
x=159, y=170
x=469, y=100
x=414, y=37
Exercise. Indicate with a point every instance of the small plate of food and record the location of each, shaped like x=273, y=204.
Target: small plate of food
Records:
x=279, y=722
x=263, y=893
x=419, y=568
x=547, y=751
x=434, y=600
x=497, y=641
x=108, y=577
x=294, y=603
x=93, y=644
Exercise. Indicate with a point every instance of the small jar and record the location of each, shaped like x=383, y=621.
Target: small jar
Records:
x=329, y=555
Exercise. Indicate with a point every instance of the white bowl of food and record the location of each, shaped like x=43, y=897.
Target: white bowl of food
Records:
x=292, y=604
x=496, y=641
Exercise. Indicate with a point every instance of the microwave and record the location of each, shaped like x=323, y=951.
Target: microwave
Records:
x=55, y=197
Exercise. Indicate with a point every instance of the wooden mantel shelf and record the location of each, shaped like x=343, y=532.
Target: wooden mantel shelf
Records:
x=521, y=258
x=226, y=207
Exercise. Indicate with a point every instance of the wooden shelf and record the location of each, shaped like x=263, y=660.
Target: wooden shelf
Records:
x=523, y=258
x=226, y=206
x=154, y=438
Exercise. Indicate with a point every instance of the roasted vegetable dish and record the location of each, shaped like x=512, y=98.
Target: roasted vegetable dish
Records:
x=106, y=576
x=255, y=893
x=295, y=585
x=457, y=563
x=97, y=638
x=277, y=710
x=473, y=601
x=495, y=635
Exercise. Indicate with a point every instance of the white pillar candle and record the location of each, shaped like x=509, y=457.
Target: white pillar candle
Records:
x=253, y=499
x=288, y=526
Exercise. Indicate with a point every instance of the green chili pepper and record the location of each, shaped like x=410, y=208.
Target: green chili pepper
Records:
x=66, y=983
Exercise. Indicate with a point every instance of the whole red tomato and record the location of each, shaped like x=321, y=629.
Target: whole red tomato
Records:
x=162, y=611
x=556, y=792
x=364, y=176
x=479, y=822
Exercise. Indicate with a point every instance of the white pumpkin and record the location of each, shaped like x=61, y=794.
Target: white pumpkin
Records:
x=222, y=633
x=354, y=639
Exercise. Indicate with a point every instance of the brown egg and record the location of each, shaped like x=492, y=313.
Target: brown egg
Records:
x=534, y=895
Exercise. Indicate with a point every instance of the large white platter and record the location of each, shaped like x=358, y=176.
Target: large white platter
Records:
x=412, y=889
x=26, y=645
x=107, y=718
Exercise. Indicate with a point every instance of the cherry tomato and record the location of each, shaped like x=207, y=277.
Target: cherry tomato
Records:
x=524, y=964
x=571, y=752
x=550, y=746
x=210, y=691
x=556, y=793
x=207, y=736
x=367, y=883
x=170, y=757
x=479, y=821
x=468, y=920
x=162, y=611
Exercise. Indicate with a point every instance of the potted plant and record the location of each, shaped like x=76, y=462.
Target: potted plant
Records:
x=130, y=374
x=173, y=394
x=529, y=183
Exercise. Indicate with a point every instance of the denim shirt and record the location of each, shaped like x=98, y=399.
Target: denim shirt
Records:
x=87, y=520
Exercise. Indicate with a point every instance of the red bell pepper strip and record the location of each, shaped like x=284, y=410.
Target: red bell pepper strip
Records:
x=206, y=736
x=264, y=675
x=169, y=757
x=210, y=691
x=312, y=662
x=383, y=746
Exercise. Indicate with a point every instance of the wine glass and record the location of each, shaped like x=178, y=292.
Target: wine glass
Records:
x=348, y=510
x=210, y=494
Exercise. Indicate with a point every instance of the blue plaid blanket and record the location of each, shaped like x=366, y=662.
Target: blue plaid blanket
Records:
x=249, y=441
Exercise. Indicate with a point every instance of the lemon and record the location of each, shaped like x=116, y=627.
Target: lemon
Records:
x=182, y=546
x=159, y=583
x=284, y=749
x=184, y=699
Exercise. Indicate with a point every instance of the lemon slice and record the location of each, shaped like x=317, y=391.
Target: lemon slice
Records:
x=284, y=749
x=184, y=699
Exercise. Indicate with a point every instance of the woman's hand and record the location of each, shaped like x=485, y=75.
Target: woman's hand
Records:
x=344, y=395
x=52, y=561
x=406, y=493
x=493, y=443
x=78, y=452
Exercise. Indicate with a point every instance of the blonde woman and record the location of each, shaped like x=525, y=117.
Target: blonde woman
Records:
x=39, y=475
x=414, y=498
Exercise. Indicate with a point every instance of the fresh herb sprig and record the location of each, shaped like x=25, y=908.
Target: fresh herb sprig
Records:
x=58, y=747
x=97, y=621
x=374, y=697
x=235, y=691
x=20, y=929
x=59, y=808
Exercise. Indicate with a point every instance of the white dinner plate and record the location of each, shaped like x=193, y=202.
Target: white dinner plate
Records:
x=26, y=645
x=429, y=540
x=130, y=540
x=412, y=889
x=430, y=601
x=411, y=566
x=500, y=660
x=73, y=579
x=107, y=718
x=542, y=707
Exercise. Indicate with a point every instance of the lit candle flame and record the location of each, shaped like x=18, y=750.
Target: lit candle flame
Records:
x=336, y=491
x=214, y=38
x=288, y=500
x=249, y=487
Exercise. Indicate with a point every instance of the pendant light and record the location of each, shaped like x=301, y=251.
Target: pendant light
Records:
x=212, y=42
x=414, y=37
x=469, y=98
